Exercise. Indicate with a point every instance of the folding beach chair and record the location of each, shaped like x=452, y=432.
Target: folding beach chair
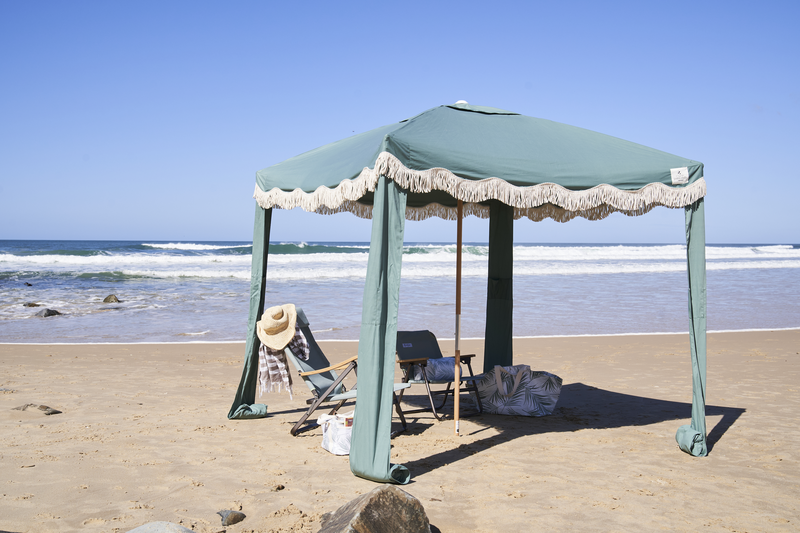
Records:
x=414, y=350
x=324, y=382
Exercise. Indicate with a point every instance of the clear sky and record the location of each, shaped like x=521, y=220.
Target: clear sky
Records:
x=148, y=120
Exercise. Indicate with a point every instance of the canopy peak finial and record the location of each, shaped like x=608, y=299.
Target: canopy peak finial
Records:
x=462, y=102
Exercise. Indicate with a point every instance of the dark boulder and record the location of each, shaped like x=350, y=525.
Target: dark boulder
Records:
x=111, y=299
x=386, y=508
x=48, y=312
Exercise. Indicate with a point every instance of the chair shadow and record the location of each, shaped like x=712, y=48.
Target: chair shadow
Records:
x=580, y=406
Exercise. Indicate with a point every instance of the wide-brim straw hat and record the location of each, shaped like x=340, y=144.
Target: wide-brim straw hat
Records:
x=276, y=327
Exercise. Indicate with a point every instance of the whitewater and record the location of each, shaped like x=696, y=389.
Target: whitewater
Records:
x=199, y=291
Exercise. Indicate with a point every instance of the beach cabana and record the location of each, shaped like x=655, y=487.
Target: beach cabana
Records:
x=502, y=166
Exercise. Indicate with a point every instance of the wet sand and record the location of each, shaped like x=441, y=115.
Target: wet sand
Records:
x=143, y=436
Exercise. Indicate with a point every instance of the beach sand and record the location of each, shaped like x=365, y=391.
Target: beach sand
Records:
x=143, y=436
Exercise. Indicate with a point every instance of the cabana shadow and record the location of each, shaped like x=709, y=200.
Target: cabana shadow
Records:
x=580, y=406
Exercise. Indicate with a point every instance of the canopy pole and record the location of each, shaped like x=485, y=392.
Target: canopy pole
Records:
x=457, y=372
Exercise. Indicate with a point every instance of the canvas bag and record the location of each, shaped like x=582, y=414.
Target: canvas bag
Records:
x=336, y=432
x=517, y=390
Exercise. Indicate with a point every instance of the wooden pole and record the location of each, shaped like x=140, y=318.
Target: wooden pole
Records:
x=457, y=370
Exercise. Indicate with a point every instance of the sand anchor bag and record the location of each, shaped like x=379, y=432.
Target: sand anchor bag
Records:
x=517, y=390
x=336, y=432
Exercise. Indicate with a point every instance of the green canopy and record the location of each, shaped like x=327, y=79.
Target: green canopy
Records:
x=503, y=166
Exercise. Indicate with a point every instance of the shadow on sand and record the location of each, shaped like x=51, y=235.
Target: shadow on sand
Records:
x=580, y=406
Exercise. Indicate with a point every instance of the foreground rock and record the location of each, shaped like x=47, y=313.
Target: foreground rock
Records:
x=111, y=299
x=160, y=527
x=231, y=517
x=43, y=408
x=386, y=508
x=48, y=312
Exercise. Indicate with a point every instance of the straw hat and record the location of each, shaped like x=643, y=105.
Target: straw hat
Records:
x=276, y=327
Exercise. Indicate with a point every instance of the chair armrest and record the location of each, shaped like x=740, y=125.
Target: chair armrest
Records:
x=329, y=368
x=418, y=361
x=464, y=357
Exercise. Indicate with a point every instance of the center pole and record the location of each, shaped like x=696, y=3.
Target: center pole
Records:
x=457, y=372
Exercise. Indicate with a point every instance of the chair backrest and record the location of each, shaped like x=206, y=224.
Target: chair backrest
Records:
x=318, y=383
x=416, y=344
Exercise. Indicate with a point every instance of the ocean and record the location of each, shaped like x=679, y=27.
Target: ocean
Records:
x=199, y=291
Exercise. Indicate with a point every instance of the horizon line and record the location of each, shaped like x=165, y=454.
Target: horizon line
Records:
x=304, y=241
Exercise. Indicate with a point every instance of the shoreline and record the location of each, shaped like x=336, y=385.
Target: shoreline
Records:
x=441, y=339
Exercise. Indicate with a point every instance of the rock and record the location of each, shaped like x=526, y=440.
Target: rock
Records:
x=31, y=304
x=28, y=284
x=160, y=527
x=386, y=508
x=231, y=517
x=48, y=312
x=111, y=299
x=43, y=408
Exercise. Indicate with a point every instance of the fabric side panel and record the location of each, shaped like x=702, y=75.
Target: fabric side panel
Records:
x=498, y=349
x=243, y=405
x=370, y=445
x=692, y=438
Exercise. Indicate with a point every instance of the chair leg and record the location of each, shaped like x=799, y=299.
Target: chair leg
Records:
x=311, y=425
x=399, y=410
x=446, y=393
x=336, y=407
x=433, y=407
x=402, y=391
x=295, y=430
x=433, y=404
x=474, y=388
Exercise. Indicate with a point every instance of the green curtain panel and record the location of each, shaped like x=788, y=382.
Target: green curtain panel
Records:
x=692, y=438
x=244, y=405
x=498, y=349
x=370, y=442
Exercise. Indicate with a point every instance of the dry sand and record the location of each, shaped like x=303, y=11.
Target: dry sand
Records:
x=143, y=436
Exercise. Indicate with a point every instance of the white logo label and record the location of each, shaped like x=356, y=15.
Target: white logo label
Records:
x=679, y=175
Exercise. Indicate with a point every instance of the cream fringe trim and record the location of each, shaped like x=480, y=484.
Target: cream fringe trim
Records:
x=546, y=200
x=536, y=214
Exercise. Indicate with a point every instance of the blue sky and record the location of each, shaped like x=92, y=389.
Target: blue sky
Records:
x=148, y=120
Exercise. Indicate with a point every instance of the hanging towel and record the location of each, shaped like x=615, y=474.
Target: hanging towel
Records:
x=272, y=364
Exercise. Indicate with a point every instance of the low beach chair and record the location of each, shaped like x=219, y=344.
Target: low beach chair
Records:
x=414, y=350
x=325, y=380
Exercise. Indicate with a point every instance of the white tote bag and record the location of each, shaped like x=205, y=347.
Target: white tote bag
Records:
x=336, y=432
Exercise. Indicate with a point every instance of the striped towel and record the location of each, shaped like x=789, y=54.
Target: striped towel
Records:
x=272, y=372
